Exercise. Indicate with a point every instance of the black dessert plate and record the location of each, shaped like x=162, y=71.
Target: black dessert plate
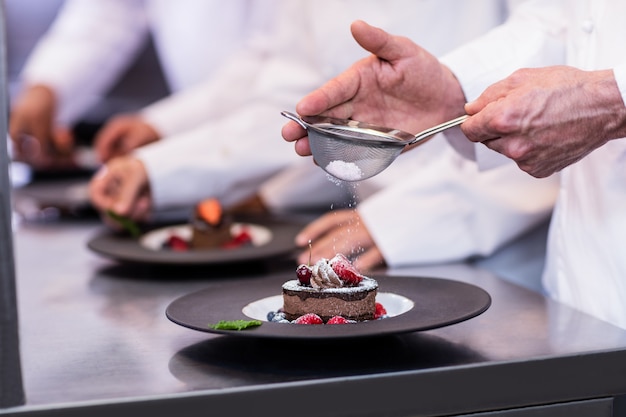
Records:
x=270, y=238
x=414, y=304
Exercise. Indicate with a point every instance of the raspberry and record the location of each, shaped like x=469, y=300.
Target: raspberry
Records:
x=380, y=311
x=241, y=239
x=176, y=243
x=304, y=274
x=337, y=320
x=309, y=318
x=346, y=271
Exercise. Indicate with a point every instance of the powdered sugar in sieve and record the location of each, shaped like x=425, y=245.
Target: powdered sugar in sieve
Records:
x=348, y=171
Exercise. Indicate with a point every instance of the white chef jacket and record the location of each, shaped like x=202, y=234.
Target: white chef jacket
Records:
x=91, y=42
x=585, y=266
x=430, y=205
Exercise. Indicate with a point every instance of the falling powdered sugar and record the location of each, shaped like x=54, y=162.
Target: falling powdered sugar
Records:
x=347, y=171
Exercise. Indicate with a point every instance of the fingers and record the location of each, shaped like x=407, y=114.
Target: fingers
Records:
x=493, y=114
x=142, y=207
x=369, y=259
x=293, y=132
x=492, y=94
x=103, y=189
x=121, y=135
x=303, y=147
x=32, y=116
x=328, y=245
x=129, y=196
x=343, y=88
x=122, y=186
x=63, y=140
x=335, y=92
x=323, y=225
x=107, y=140
x=339, y=231
x=30, y=135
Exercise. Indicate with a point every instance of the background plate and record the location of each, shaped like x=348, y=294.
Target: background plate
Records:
x=438, y=302
x=122, y=247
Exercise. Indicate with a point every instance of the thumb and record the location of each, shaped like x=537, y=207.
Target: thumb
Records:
x=131, y=187
x=375, y=40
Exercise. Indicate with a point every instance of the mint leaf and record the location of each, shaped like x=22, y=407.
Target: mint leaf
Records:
x=126, y=223
x=235, y=324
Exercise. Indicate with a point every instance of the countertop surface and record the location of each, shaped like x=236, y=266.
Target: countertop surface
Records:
x=95, y=337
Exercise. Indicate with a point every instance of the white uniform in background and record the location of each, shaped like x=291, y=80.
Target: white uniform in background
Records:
x=235, y=145
x=91, y=43
x=585, y=263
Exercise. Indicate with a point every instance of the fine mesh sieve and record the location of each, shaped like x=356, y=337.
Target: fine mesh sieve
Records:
x=352, y=151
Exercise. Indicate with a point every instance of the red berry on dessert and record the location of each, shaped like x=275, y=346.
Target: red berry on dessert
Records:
x=304, y=273
x=345, y=270
x=309, y=318
x=380, y=311
x=337, y=320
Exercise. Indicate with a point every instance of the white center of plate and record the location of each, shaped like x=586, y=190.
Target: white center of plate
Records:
x=394, y=304
x=154, y=239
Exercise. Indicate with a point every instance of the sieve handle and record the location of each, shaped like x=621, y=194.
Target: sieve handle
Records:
x=292, y=116
x=439, y=128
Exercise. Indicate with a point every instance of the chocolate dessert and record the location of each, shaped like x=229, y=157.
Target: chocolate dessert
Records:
x=328, y=289
x=211, y=227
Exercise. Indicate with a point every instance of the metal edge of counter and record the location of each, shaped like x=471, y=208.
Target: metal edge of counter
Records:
x=433, y=392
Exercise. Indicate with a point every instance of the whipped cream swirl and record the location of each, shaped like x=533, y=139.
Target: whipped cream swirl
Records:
x=323, y=276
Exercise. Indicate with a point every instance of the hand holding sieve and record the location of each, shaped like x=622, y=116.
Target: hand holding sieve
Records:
x=352, y=151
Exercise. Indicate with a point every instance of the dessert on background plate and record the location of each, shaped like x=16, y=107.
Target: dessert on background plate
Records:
x=211, y=227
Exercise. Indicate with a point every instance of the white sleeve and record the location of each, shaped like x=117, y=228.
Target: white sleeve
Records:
x=85, y=50
x=222, y=94
x=270, y=66
x=226, y=159
x=449, y=211
x=533, y=36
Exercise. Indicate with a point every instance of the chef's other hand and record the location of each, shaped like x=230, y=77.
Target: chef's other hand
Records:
x=548, y=118
x=400, y=85
x=339, y=231
x=122, y=185
x=121, y=135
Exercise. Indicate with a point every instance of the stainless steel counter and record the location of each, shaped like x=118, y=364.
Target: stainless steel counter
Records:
x=95, y=341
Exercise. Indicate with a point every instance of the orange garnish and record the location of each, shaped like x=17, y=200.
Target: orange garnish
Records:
x=211, y=211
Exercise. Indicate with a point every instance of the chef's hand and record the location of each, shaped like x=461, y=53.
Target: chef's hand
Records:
x=339, y=231
x=121, y=135
x=400, y=85
x=36, y=139
x=122, y=185
x=548, y=118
